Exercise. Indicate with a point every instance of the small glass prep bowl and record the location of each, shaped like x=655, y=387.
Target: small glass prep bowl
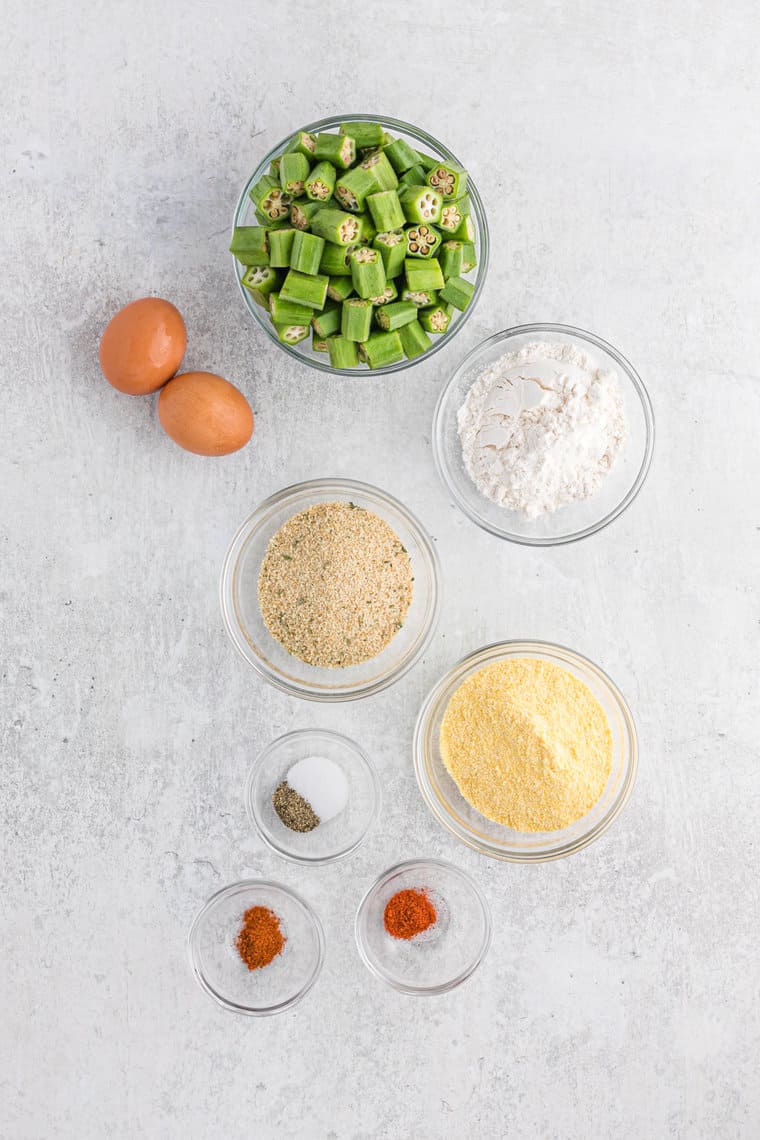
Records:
x=577, y=520
x=219, y=969
x=443, y=956
x=252, y=639
x=335, y=838
x=449, y=806
x=245, y=215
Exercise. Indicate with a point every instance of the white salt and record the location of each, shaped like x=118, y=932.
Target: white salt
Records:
x=322, y=783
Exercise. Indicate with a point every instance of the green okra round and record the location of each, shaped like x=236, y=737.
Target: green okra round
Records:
x=302, y=142
x=319, y=185
x=367, y=229
x=469, y=257
x=436, y=318
x=340, y=150
x=250, y=245
x=421, y=241
x=294, y=168
x=420, y=297
x=379, y=168
x=280, y=245
x=302, y=213
x=367, y=271
x=270, y=200
x=336, y=226
x=465, y=231
x=453, y=212
x=421, y=204
x=381, y=349
x=401, y=155
x=305, y=289
x=364, y=134
x=421, y=274
x=274, y=169
x=414, y=339
x=448, y=178
x=352, y=188
x=306, y=252
x=318, y=343
x=263, y=279
x=451, y=258
x=414, y=176
x=389, y=293
x=385, y=210
x=291, y=334
x=426, y=161
x=391, y=246
x=340, y=287
x=286, y=312
x=457, y=292
x=327, y=323
x=356, y=319
x=343, y=353
x=395, y=315
x=334, y=261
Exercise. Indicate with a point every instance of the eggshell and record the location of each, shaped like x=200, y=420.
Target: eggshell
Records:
x=205, y=414
x=142, y=346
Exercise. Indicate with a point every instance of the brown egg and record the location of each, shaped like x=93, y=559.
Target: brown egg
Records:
x=205, y=414
x=142, y=346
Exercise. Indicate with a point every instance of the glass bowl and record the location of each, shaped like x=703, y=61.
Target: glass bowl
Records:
x=335, y=838
x=245, y=215
x=252, y=639
x=450, y=808
x=440, y=958
x=218, y=968
x=577, y=520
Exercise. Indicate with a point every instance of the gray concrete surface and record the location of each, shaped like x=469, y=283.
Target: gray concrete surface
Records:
x=616, y=146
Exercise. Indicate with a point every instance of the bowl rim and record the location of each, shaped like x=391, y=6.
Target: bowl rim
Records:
x=485, y=655
x=483, y=235
x=580, y=334
x=226, y=1003
x=312, y=733
x=293, y=492
x=463, y=975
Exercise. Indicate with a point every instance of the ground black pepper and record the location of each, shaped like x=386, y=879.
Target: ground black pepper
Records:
x=294, y=811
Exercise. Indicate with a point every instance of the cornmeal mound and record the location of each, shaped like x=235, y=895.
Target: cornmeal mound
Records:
x=528, y=744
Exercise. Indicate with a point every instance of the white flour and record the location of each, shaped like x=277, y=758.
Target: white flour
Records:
x=541, y=427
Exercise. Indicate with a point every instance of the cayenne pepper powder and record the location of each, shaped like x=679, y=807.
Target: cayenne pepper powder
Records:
x=260, y=939
x=408, y=913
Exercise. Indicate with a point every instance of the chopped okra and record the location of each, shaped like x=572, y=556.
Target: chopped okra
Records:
x=361, y=247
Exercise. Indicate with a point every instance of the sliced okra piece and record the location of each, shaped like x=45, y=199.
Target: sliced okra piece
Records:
x=422, y=274
x=336, y=226
x=318, y=343
x=320, y=183
x=377, y=164
x=306, y=252
x=421, y=204
x=457, y=292
x=302, y=143
x=367, y=271
x=448, y=178
x=392, y=248
x=364, y=134
x=294, y=168
x=261, y=278
x=422, y=241
x=340, y=150
x=414, y=339
x=426, y=161
x=274, y=168
x=386, y=211
x=305, y=289
x=465, y=231
x=291, y=334
x=420, y=297
x=356, y=319
x=286, y=312
x=282, y=223
x=469, y=256
x=327, y=323
x=453, y=212
x=394, y=316
x=401, y=155
x=367, y=229
x=301, y=214
x=280, y=244
x=334, y=261
x=381, y=349
x=343, y=352
x=389, y=293
x=451, y=257
x=270, y=200
x=340, y=287
x=414, y=176
x=436, y=318
x=250, y=245
x=352, y=188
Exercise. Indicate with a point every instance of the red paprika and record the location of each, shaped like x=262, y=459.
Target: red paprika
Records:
x=260, y=939
x=408, y=913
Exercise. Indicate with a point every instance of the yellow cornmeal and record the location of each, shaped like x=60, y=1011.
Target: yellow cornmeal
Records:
x=528, y=744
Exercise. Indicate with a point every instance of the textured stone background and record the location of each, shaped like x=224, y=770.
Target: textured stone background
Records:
x=616, y=147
